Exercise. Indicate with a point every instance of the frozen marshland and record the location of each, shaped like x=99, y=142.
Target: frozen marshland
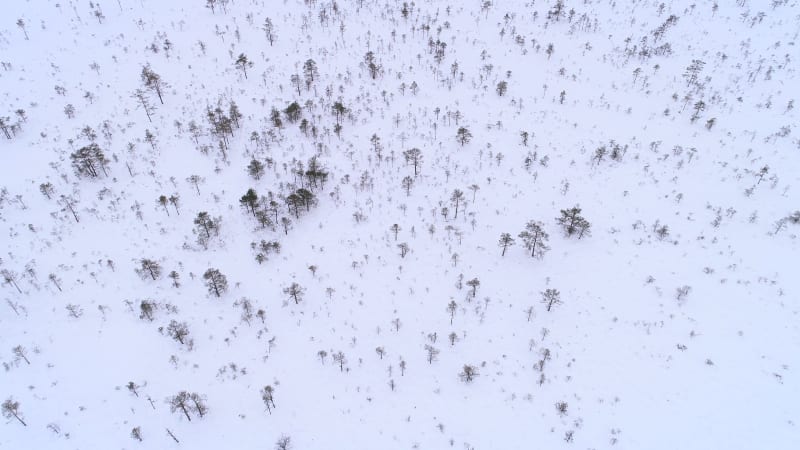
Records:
x=371, y=224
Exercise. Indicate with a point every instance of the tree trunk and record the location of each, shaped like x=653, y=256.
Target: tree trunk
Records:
x=187, y=413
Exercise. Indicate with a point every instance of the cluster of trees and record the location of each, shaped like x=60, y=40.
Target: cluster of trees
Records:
x=535, y=238
x=89, y=160
x=188, y=404
x=267, y=208
x=173, y=199
x=222, y=125
x=9, y=128
x=264, y=248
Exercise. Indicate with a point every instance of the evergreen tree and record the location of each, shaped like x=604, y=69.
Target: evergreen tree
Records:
x=535, y=239
x=505, y=241
x=242, y=63
x=310, y=72
x=216, y=282
x=551, y=297
x=250, y=200
x=88, y=160
x=293, y=112
x=573, y=223
x=149, y=268
x=463, y=136
x=414, y=157
x=295, y=292
x=269, y=29
x=153, y=82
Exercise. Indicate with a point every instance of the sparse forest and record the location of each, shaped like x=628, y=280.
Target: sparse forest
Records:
x=317, y=224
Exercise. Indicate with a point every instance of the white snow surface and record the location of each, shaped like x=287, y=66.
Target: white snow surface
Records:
x=638, y=367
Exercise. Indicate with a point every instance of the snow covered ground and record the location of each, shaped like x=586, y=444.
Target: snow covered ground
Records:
x=672, y=126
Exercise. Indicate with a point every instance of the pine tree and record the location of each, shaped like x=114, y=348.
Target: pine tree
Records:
x=310, y=72
x=216, y=282
x=414, y=157
x=10, y=409
x=463, y=136
x=573, y=223
x=153, y=82
x=456, y=198
x=293, y=112
x=535, y=239
x=250, y=200
x=178, y=331
x=242, y=63
x=149, y=268
x=269, y=29
x=88, y=160
x=295, y=292
x=505, y=241
x=468, y=373
x=551, y=297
